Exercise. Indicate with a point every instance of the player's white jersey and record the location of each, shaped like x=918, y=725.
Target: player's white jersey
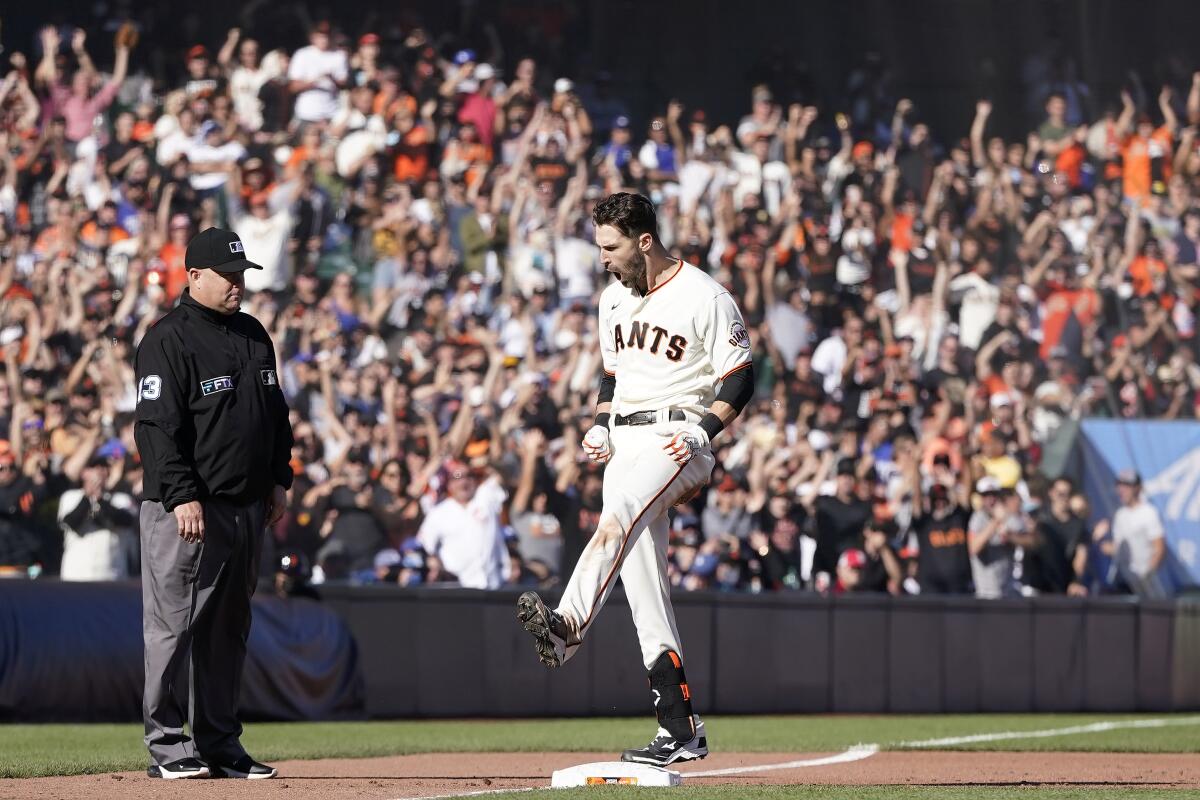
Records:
x=673, y=346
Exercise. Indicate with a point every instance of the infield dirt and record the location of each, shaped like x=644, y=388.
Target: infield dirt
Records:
x=447, y=774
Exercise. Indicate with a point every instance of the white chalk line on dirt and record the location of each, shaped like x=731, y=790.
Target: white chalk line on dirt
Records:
x=856, y=753
x=860, y=752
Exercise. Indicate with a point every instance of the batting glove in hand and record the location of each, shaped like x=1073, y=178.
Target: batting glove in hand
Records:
x=597, y=445
x=685, y=443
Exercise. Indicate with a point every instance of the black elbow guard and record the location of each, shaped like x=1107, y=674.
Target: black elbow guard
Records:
x=738, y=387
x=608, y=387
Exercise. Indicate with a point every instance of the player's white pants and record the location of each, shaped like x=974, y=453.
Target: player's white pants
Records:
x=641, y=482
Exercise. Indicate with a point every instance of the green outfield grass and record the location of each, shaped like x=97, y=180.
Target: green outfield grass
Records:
x=31, y=750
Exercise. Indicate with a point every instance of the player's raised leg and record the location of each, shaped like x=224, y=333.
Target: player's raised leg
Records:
x=641, y=483
x=638, y=488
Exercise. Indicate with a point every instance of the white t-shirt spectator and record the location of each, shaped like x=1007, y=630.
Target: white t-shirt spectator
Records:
x=828, y=359
x=757, y=178
x=362, y=136
x=172, y=141
x=512, y=338
x=978, y=309
x=992, y=567
x=201, y=153
x=95, y=552
x=1134, y=529
x=266, y=240
x=327, y=68
x=1077, y=230
x=423, y=211
x=576, y=264
x=266, y=243
x=8, y=201
x=791, y=331
x=468, y=539
x=244, y=85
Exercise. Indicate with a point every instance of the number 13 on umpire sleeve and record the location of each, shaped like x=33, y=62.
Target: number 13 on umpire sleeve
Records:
x=149, y=388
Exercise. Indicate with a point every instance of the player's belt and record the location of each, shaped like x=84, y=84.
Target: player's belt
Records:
x=649, y=417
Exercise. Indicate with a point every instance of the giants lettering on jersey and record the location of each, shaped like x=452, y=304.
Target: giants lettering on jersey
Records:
x=643, y=335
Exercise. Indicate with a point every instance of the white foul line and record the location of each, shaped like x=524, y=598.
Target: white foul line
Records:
x=864, y=751
x=856, y=753
x=1095, y=727
x=859, y=752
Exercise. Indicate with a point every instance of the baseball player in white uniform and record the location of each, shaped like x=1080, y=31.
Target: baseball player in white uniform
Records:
x=670, y=336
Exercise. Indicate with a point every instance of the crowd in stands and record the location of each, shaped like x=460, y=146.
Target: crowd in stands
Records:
x=928, y=310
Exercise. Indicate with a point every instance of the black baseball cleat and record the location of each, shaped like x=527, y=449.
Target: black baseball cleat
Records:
x=244, y=767
x=547, y=627
x=664, y=749
x=182, y=768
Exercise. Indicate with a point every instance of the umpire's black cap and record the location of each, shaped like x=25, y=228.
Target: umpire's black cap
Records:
x=219, y=249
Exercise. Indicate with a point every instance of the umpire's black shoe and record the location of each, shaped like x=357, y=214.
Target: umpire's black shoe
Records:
x=244, y=767
x=665, y=749
x=183, y=768
x=549, y=630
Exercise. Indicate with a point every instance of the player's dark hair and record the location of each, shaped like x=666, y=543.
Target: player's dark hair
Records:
x=631, y=214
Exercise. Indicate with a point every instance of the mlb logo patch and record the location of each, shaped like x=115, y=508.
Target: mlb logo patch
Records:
x=268, y=377
x=214, y=385
x=236, y=247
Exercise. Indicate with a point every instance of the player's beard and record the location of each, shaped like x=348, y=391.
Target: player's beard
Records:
x=632, y=274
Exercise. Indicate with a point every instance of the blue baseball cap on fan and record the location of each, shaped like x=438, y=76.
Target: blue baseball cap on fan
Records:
x=463, y=56
x=113, y=448
x=705, y=564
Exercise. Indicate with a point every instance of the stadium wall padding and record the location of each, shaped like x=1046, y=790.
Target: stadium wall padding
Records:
x=789, y=653
x=73, y=652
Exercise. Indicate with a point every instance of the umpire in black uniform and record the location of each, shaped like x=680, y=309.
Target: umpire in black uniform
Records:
x=215, y=441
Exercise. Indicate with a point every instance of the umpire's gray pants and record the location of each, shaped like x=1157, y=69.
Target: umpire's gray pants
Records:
x=195, y=620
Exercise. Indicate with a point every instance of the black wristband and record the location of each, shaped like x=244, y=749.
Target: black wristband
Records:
x=602, y=419
x=712, y=425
